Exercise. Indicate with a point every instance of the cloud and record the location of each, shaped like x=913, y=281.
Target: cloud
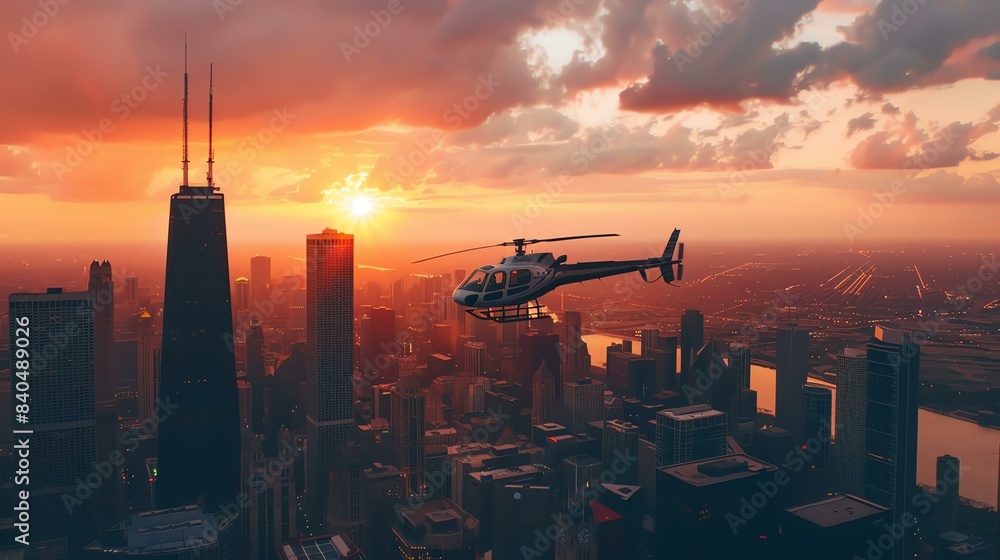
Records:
x=859, y=124
x=906, y=145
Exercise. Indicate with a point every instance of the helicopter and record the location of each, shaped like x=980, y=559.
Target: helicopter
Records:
x=509, y=291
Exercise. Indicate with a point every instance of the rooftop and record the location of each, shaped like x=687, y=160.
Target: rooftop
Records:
x=716, y=470
x=837, y=510
x=320, y=548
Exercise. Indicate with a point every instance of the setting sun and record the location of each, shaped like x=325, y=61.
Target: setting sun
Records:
x=362, y=206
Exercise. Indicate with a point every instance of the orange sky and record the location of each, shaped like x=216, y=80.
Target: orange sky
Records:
x=481, y=120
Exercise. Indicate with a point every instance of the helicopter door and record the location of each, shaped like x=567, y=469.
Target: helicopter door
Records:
x=494, y=288
x=520, y=281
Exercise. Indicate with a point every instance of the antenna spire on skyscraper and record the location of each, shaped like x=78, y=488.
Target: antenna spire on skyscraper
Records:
x=211, y=153
x=184, y=161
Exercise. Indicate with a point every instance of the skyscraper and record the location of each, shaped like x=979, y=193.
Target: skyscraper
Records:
x=199, y=448
x=407, y=432
x=149, y=383
x=621, y=450
x=891, y=422
x=241, y=296
x=102, y=287
x=692, y=337
x=329, y=355
x=689, y=433
x=475, y=358
x=852, y=405
x=946, y=491
x=62, y=412
x=572, y=349
x=543, y=389
x=260, y=282
x=791, y=373
x=739, y=358
x=817, y=402
x=583, y=402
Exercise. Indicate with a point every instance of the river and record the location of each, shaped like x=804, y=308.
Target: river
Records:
x=975, y=446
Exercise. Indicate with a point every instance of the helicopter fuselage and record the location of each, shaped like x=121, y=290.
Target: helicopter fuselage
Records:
x=517, y=279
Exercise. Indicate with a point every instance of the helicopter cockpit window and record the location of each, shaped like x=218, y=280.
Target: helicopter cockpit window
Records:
x=520, y=277
x=475, y=281
x=496, y=281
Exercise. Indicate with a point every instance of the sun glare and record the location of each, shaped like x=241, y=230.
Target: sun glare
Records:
x=361, y=206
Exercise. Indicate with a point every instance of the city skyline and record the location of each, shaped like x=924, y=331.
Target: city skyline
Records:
x=820, y=385
x=826, y=131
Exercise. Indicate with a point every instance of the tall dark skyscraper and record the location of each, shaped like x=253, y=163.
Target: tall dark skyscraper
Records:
x=791, y=373
x=199, y=446
x=817, y=401
x=329, y=356
x=739, y=358
x=62, y=413
x=891, y=437
x=102, y=287
x=692, y=337
x=260, y=283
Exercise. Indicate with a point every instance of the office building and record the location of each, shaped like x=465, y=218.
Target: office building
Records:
x=689, y=433
x=583, y=402
x=852, y=407
x=739, y=358
x=543, y=398
x=620, y=451
x=199, y=448
x=62, y=413
x=260, y=285
x=891, y=422
x=407, y=430
x=329, y=355
x=791, y=371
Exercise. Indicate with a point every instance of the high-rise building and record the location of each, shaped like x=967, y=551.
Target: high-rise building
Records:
x=148, y=371
x=199, y=448
x=406, y=428
x=689, y=433
x=273, y=507
x=621, y=450
x=543, y=389
x=852, y=405
x=739, y=358
x=572, y=349
x=649, y=339
x=946, y=491
x=891, y=421
x=692, y=337
x=241, y=294
x=791, y=373
x=583, y=402
x=817, y=402
x=329, y=355
x=102, y=287
x=62, y=413
x=260, y=284
x=475, y=358
x=538, y=346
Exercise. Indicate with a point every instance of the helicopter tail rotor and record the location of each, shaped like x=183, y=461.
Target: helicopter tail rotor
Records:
x=667, y=269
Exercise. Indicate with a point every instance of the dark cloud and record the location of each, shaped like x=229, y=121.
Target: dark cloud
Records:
x=858, y=124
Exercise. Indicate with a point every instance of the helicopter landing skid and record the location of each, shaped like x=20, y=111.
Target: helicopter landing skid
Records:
x=510, y=313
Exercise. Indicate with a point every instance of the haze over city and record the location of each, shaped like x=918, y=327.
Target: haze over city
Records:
x=500, y=279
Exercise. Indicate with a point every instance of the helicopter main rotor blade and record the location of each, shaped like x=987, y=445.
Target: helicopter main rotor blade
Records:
x=527, y=241
x=457, y=252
